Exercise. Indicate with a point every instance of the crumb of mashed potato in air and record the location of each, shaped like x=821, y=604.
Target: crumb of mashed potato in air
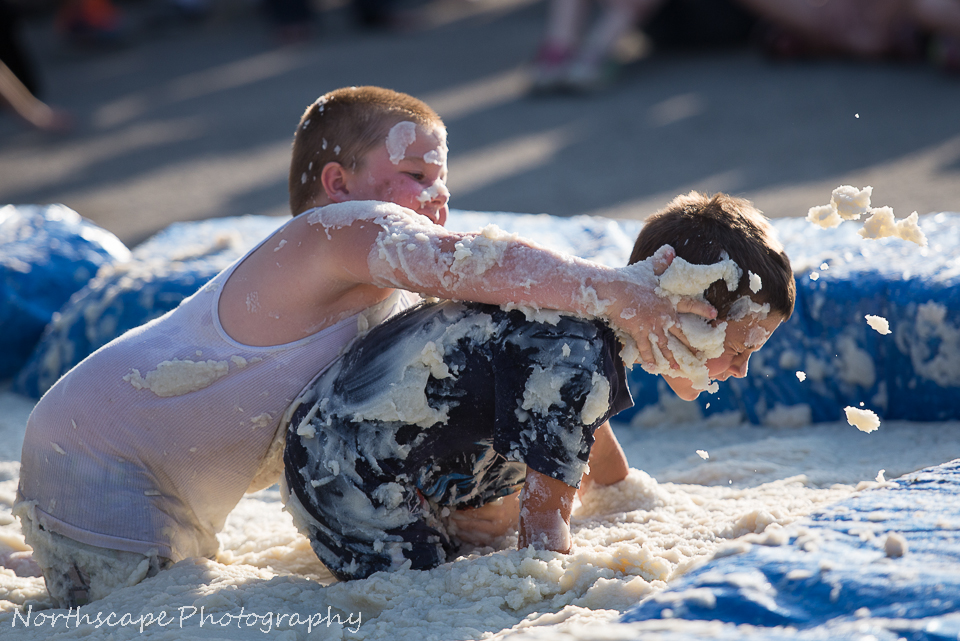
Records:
x=878, y=323
x=850, y=202
x=825, y=216
x=909, y=229
x=882, y=224
x=863, y=420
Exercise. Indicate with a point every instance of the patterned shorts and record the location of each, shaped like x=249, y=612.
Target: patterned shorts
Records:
x=440, y=408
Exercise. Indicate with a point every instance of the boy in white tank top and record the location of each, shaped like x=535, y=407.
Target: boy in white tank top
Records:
x=133, y=460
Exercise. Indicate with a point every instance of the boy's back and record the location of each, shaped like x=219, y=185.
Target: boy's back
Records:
x=150, y=442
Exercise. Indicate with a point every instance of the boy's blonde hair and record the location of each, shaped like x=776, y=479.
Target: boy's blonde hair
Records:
x=342, y=126
x=702, y=228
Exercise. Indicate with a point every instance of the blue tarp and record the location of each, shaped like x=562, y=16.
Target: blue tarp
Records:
x=913, y=373
x=885, y=562
x=46, y=254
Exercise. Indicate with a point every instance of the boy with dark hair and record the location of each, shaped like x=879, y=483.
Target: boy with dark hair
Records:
x=421, y=435
x=706, y=230
x=135, y=457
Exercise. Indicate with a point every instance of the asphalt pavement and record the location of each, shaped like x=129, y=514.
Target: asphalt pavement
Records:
x=190, y=121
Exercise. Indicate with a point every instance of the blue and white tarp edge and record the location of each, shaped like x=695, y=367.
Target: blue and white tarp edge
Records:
x=822, y=360
x=46, y=254
x=883, y=564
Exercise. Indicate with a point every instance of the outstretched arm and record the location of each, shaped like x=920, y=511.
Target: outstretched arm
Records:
x=24, y=104
x=409, y=252
x=546, y=503
x=545, y=506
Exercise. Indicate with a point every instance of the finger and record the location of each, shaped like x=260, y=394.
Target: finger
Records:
x=646, y=352
x=660, y=356
x=662, y=259
x=701, y=308
x=682, y=344
x=677, y=332
x=666, y=351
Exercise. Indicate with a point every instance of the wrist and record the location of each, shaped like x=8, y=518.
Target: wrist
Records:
x=545, y=531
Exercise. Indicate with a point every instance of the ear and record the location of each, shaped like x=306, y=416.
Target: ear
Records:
x=336, y=182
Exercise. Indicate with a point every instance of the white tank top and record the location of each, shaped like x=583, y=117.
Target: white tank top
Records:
x=148, y=443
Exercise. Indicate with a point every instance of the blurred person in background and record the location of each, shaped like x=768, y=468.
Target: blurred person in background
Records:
x=573, y=57
x=864, y=29
x=294, y=20
x=191, y=9
x=19, y=84
x=89, y=22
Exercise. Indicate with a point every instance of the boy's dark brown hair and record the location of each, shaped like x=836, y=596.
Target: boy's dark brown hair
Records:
x=342, y=126
x=702, y=228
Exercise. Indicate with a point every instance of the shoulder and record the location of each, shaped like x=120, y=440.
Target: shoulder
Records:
x=340, y=215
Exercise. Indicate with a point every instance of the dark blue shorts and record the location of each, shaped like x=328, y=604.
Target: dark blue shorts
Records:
x=440, y=408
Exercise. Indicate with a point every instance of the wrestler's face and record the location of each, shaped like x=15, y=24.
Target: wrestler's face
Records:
x=411, y=174
x=743, y=338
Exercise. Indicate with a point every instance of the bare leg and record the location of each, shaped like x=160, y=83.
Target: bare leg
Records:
x=594, y=68
x=564, y=22
x=25, y=105
x=483, y=525
x=617, y=19
x=560, y=40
